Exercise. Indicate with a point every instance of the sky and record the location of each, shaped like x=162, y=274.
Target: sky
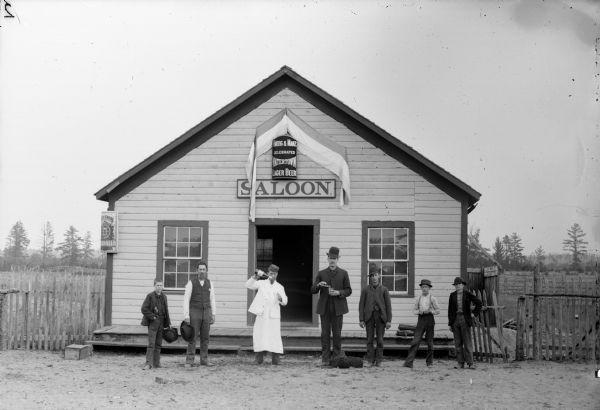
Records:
x=501, y=94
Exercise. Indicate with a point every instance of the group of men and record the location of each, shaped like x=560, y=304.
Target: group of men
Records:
x=333, y=286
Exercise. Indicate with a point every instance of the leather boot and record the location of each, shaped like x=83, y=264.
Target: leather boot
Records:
x=259, y=357
x=275, y=358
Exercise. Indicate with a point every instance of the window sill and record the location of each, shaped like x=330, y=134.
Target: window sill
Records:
x=173, y=291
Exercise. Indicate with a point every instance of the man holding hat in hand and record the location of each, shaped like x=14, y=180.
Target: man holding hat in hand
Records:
x=375, y=312
x=333, y=286
x=426, y=306
x=460, y=321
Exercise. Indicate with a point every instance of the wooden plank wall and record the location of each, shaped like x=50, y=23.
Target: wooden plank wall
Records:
x=202, y=186
x=50, y=310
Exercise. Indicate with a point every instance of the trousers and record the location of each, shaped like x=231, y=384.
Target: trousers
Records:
x=462, y=340
x=331, y=324
x=155, y=335
x=200, y=320
x=425, y=327
x=375, y=330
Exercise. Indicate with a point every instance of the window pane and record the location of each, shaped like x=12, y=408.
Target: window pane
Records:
x=170, y=234
x=169, y=249
x=388, y=282
x=183, y=234
x=374, y=235
x=401, y=284
x=387, y=235
x=182, y=280
x=169, y=280
x=374, y=252
x=402, y=236
x=388, y=252
x=169, y=266
x=195, y=234
x=182, y=250
x=401, y=252
x=195, y=250
x=401, y=268
x=183, y=266
x=387, y=268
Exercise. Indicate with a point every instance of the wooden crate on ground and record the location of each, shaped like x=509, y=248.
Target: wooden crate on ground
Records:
x=78, y=352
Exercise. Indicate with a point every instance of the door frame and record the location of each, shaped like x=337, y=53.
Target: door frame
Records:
x=316, y=225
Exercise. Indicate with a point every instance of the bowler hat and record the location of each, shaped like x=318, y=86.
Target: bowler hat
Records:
x=187, y=331
x=273, y=268
x=458, y=280
x=425, y=282
x=334, y=251
x=373, y=269
x=170, y=335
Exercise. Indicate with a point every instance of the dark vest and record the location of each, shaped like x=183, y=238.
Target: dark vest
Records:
x=200, y=297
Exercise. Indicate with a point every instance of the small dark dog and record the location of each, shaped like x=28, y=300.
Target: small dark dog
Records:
x=345, y=362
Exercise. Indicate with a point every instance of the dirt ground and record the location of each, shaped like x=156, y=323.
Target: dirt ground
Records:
x=108, y=379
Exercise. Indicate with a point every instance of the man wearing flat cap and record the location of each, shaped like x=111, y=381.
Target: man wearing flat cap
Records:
x=266, y=334
x=460, y=321
x=425, y=307
x=375, y=312
x=333, y=286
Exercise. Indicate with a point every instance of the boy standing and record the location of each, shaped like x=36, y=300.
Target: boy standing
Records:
x=375, y=312
x=426, y=306
x=460, y=321
x=156, y=316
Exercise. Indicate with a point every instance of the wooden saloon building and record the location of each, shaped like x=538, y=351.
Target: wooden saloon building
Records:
x=278, y=176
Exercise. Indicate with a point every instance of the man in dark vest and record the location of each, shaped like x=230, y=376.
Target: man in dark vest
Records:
x=333, y=286
x=460, y=321
x=156, y=316
x=199, y=310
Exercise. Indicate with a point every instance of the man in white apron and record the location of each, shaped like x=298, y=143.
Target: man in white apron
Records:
x=266, y=335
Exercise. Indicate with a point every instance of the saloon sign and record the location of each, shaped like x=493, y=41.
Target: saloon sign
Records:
x=301, y=188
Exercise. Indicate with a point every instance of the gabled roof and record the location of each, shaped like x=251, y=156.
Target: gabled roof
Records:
x=288, y=78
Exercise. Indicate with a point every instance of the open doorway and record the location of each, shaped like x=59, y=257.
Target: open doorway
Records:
x=291, y=248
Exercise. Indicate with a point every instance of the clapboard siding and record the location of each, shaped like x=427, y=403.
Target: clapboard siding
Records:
x=202, y=186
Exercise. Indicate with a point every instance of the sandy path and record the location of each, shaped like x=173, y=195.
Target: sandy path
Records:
x=115, y=380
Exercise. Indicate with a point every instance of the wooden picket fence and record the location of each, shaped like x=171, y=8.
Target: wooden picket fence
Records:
x=49, y=310
x=487, y=332
x=559, y=321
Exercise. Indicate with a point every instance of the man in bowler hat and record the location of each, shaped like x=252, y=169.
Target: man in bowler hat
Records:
x=333, y=286
x=460, y=321
x=426, y=306
x=375, y=312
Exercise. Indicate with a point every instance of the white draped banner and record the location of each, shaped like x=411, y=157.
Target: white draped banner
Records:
x=320, y=149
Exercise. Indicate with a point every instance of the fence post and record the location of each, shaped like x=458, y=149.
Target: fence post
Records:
x=520, y=347
x=536, y=314
x=26, y=319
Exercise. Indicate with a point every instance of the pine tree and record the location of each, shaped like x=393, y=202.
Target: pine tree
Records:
x=16, y=241
x=540, y=255
x=47, y=242
x=575, y=244
x=507, y=246
x=70, y=248
x=477, y=255
x=516, y=249
x=87, y=249
x=499, y=252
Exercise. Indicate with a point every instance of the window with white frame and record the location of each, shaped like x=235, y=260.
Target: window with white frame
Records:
x=182, y=245
x=389, y=246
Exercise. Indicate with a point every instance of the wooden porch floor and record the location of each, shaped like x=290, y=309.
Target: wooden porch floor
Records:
x=295, y=339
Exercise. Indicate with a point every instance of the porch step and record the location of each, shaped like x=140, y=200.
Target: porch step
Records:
x=234, y=340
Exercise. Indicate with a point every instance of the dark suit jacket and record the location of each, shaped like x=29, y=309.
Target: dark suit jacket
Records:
x=150, y=309
x=467, y=299
x=370, y=295
x=339, y=281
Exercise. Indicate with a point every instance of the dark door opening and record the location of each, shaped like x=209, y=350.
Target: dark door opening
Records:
x=291, y=248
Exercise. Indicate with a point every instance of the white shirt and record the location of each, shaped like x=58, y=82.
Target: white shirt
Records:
x=426, y=304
